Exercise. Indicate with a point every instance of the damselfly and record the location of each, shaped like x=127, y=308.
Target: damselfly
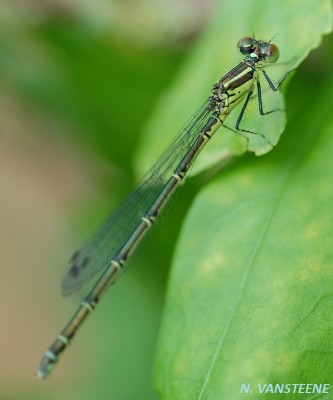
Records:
x=100, y=262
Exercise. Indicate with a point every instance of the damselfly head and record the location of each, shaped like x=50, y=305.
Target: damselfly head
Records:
x=258, y=50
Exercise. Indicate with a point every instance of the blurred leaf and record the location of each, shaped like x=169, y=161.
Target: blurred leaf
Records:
x=250, y=297
x=298, y=27
x=250, y=294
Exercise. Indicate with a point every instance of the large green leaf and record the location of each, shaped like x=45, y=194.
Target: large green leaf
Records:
x=298, y=26
x=250, y=295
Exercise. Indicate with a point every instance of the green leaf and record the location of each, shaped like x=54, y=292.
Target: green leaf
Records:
x=298, y=26
x=250, y=295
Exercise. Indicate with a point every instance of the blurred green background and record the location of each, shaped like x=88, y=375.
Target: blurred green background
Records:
x=79, y=81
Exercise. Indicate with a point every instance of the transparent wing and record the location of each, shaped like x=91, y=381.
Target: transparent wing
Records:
x=88, y=264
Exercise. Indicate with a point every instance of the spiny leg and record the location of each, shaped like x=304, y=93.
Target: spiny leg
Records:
x=271, y=84
x=260, y=105
x=273, y=87
x=244, y=132
x=241, y=114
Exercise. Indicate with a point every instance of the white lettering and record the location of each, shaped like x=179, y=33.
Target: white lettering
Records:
x=245, y=388
x=289, y=388
x=308, y=388
x=279, y=388
x=261, y=388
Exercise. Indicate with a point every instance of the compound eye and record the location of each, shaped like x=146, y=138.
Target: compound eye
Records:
x=246, y=45
x=272, y=53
